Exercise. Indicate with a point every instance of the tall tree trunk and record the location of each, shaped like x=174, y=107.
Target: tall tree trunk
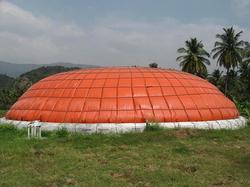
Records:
x=226, y=82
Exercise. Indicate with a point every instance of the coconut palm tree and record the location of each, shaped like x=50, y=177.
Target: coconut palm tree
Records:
x=194, y=57
x=216, y=78
x=244, y=70
x=246, y=53
x=227, y=50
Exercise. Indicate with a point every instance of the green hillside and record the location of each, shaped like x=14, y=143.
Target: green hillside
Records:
x=15, y=70
x=45, y=71
x=6, y=81
x=11, y=89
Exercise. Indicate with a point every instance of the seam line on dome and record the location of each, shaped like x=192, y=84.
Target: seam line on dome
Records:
x=116, y=117
x=196, y=107
x=148, y=98
x=100, y=105
x=164, y=100
x=180, y=99
x=113, y=97
x=133, y=98
x=52, y=110
x=80, y=118
x=66, y=112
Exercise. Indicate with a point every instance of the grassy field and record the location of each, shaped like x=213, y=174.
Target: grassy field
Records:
x=178, y=157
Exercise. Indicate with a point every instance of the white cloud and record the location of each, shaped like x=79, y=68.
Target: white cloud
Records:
x=25, y=37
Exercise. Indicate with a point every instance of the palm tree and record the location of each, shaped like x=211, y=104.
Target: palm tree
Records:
x=244, y=70
x=246, y=53
x=245, y=65
x=228, y=50
x=194, y=58
x=216, y=78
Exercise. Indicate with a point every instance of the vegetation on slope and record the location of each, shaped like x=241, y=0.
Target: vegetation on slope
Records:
x=6, y=81
x=18, y=86
x=45, y=71
x=15, y=70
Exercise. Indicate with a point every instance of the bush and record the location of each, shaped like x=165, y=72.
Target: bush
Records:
x=2, y=113
x=243, y=107
x=245, y=111
x=152, y=126
x=153, y=65
x=62, y=133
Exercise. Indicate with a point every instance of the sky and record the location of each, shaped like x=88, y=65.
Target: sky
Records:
x=113, y=32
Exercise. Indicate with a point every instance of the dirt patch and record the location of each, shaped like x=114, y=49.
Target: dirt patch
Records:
x=129, y=177
x=124, y=176
x=151, y=167
x=183, y=133
x=70, y=181
x=188, y=168
x=221, y=183
x=103, y=161
x=39, y=153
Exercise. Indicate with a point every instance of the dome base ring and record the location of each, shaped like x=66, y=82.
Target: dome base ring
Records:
x=128, y=127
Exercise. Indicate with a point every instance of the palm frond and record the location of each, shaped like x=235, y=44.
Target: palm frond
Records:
x=194, y=59
x=180, y=57
x=181, y=50
x=205, y=60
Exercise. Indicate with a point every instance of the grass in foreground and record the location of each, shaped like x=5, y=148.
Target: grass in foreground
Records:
x=178, y=157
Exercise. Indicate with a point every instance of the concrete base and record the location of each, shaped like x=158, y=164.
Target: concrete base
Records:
x=128, y=127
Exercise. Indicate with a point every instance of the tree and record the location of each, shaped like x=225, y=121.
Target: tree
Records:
x=227, y=50
x=194, y=58
x=244, y=71
x=216, y=78
x=10, y=95
x=153, y=65
x=246, y=53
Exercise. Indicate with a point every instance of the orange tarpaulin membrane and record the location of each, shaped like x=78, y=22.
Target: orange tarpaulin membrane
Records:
x=122, y=95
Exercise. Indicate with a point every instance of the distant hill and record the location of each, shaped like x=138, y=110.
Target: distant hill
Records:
x=15, y=70
x=6, y=81
x=12, y=88
x=42, y=72
x=32, y=76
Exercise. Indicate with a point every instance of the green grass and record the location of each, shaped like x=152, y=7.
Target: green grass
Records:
x=177, y=157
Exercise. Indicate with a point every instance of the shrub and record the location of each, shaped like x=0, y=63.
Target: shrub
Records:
x=153, y=65
x=152, y=126
x=62, y=133
x=243, y=107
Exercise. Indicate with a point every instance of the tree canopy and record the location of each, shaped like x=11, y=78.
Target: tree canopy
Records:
x=194, y=57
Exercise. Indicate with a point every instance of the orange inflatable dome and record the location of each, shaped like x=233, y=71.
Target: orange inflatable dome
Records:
x=122, y=95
